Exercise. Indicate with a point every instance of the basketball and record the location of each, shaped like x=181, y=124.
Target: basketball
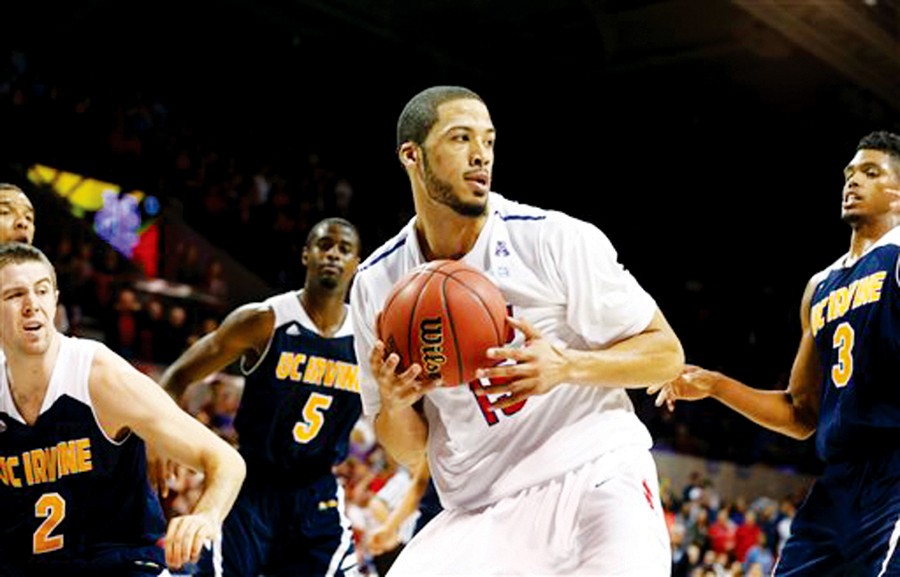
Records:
x=444, y=315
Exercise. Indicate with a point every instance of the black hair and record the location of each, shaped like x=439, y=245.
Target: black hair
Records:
x=882, y=140
x=326, y=222
x=420, y=113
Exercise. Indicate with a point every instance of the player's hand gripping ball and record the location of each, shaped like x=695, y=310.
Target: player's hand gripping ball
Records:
x=444, y=315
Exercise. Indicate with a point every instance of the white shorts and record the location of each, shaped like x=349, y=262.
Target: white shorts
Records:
x=603, y=519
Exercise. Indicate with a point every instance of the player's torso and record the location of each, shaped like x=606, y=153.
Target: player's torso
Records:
x=301, y=401
x=66, y=491
x=855, y=320
x=466, y=432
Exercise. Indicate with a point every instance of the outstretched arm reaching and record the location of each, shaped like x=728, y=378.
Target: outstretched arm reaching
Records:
x=793, y=412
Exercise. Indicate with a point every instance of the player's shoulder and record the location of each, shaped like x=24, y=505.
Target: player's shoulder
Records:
x=82, y=347
x=891, y=238
x=512, y=211
x=528, y=224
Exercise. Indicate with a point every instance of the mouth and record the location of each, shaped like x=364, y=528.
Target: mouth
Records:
x=850, y=199
x=330, y=269
x=33, y=326
x=480, y=181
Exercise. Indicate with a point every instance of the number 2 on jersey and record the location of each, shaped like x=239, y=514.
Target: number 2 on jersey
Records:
x=53, y=507
x=842, y=340
x=313, y=417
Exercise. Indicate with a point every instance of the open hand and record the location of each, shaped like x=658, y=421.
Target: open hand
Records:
x=694, y=383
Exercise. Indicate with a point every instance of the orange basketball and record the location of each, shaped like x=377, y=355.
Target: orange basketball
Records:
x=444, y=315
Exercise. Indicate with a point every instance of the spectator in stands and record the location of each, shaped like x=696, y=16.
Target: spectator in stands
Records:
x=721, y=533
x=746, y=535
x=175, y=332
x=122, y=324
x=152, y=330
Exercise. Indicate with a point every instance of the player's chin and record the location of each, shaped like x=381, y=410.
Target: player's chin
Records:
x=329, y=281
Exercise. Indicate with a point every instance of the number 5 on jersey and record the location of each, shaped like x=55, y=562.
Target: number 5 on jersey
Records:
x=313, y=417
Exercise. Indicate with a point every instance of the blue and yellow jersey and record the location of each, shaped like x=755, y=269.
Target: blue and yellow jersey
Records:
x=855, y=320
x=300, y=400
x=71, y=498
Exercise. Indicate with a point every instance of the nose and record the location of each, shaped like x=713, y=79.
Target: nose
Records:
x=333, y=253
x=23, y=222
x=481, y=154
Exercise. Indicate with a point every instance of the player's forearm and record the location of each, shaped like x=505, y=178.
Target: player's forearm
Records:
x=224, y=472
x=410, y=502
x=188, y=369
x=174, y=382
x=640, y=361
x=404, y=434
x=770, y=409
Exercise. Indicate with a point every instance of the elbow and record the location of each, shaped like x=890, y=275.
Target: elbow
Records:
x=803, y=418
x=798, y=432
x=240, y=468
x=802, y=429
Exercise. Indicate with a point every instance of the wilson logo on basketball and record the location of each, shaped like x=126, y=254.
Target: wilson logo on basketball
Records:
x=431, y=335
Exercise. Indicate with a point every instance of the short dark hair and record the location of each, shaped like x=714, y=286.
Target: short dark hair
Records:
x=420, y=113
x=882, y=140
x=20, y=252
x=326, y=222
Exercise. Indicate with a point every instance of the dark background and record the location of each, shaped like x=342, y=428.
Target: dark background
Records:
x=706, y=138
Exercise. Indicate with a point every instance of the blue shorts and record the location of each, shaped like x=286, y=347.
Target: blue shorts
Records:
x=849, y=523
x=282, y=532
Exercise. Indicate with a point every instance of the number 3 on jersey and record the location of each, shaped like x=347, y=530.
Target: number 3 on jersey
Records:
x=842, y=340
x=313, y=417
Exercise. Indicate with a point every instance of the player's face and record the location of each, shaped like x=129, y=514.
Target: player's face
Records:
x=27, y=306
x=458, y=157
x=332, y=256
x=16, y=217
x=867, y=181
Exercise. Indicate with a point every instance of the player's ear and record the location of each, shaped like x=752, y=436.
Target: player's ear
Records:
x=408, y=153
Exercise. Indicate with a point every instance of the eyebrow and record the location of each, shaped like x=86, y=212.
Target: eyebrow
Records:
x=861, y=165
x=11, y=202
x=467, y=127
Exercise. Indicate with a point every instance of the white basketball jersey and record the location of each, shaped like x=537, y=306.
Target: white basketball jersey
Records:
x=562, y=275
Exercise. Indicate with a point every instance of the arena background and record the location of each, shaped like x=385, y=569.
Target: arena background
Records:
x=705, y=137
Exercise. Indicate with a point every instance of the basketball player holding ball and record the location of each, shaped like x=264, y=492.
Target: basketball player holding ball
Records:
x=541, y=464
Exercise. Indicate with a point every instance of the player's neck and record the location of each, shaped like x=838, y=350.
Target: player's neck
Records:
x=325, y=310
x=28, y=376
x=865, y=234
x=450, y=238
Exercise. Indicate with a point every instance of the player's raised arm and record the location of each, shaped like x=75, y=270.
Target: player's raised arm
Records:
x=127, y=400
